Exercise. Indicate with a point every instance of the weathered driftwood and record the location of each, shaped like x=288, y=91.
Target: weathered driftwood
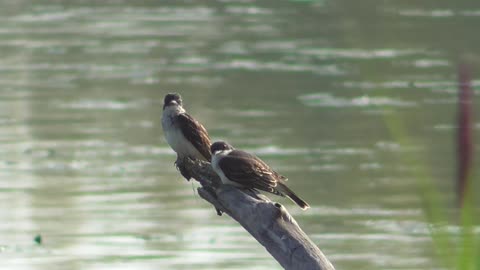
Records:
x=269, y=222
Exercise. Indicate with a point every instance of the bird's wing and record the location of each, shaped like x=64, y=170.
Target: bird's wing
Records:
x=196, y=134
x=274, y=173
x=248, y=170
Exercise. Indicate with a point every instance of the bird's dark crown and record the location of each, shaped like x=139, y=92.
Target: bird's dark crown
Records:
x=220, y=146
x=169, y=98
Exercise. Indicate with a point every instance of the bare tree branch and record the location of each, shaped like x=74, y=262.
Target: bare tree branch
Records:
x=268, y=222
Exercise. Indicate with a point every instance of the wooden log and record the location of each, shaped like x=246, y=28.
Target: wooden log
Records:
x=268, y=222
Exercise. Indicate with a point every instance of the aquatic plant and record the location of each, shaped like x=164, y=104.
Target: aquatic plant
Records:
x=452, y=228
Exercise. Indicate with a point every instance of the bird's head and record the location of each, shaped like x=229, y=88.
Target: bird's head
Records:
x=220, y=146
x=172, y=99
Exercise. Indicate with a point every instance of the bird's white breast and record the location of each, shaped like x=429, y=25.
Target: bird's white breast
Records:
x=216, y=167
x=175, y=137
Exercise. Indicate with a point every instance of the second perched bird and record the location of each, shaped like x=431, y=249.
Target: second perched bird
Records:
x=241, y=169
x=186, y=136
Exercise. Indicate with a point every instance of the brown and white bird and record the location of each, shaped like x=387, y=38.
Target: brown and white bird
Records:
x=241, y=169
x=186, y=136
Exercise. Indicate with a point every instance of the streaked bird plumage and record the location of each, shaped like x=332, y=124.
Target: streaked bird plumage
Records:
x=241, y=169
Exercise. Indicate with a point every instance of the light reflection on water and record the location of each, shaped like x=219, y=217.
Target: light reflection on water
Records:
x=83, y=161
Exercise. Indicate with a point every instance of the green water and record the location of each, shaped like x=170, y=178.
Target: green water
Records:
x=309, y=86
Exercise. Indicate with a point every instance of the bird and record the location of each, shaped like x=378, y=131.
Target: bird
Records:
x=244, y=170
x=185, y=135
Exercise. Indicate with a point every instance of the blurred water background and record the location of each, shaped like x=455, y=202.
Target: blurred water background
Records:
x=309, y=86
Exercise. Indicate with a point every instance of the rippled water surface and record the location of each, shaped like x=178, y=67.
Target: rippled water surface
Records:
x=321, y=90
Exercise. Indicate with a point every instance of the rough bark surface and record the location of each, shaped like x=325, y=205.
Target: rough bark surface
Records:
x=268, y=222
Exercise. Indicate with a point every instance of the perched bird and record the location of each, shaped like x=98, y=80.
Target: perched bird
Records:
x=186, y=136
x=241, y=169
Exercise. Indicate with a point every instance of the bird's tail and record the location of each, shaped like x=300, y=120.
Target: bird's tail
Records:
x=290, y=194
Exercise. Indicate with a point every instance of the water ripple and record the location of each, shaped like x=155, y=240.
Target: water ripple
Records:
x=365, y=212
x=329, y=100
x=102, y=105
x=328, y=53
x=436, y=13
x=254, y=65
x=372, y=237
x=275, y=150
